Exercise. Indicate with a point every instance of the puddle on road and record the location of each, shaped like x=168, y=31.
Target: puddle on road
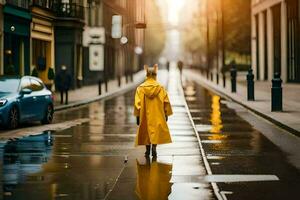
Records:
x=153, y=179
x=83, y=161
x=22, y=158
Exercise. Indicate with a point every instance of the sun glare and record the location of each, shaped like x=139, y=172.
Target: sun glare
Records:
x=174, y=8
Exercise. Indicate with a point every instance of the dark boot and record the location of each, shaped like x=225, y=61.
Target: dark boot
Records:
x=147, y=153
x=154, y=153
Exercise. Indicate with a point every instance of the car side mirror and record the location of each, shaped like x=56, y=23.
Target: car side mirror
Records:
x=26, y=91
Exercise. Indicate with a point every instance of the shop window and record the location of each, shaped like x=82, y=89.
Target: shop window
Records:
x=39, y=54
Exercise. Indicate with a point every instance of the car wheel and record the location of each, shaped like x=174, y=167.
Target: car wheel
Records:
x=48, y=115
x=13, y=118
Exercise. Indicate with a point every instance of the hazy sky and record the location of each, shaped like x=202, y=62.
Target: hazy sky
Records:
x=175, y=14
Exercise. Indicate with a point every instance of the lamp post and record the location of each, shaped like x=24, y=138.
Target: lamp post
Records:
x=223, y=43
x=207, y=41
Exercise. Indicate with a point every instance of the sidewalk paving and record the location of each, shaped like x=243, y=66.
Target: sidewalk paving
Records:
x=87, y=94
x=289, y=118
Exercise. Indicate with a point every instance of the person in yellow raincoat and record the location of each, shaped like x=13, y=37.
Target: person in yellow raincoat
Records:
x=152, y=108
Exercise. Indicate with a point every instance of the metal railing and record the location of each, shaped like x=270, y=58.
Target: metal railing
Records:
x=48, y=4
x=19, y=3
x=71, y=10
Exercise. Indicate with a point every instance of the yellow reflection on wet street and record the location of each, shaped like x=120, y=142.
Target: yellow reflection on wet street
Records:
x=153, y=179
x=216, y=119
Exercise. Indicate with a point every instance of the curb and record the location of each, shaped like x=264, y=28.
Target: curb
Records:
x=107, y=95
x=268, y=118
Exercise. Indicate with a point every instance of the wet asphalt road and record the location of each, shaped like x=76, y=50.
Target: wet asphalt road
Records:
x=83, y=162
x=234, y=147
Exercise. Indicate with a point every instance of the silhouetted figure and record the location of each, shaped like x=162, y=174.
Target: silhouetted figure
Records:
x=168, y=66
x=180, y=66
x=63, y=83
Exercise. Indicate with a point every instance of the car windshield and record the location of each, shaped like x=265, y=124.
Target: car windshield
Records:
x=9, y=85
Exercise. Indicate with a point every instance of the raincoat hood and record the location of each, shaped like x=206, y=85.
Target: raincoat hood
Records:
x=151, y=88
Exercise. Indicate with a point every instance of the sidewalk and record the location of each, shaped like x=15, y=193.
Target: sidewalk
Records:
x=88, y=94
x=288, y=119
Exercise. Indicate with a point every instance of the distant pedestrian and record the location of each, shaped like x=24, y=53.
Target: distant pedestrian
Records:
x=152, y=108
x=63, y=83
x=180, y=66
x=168, y=65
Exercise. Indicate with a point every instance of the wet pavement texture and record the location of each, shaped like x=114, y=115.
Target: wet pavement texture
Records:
x=244, y=163
x=96, y=158
x=82, y=162
x=93, y=156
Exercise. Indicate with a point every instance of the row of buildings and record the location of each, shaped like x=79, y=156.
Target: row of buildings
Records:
x=43, y=34
x=276, y=39
x=263, y=34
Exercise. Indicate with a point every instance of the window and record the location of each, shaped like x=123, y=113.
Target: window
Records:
x=36, y=85
x=9, y=85
x=25, y=83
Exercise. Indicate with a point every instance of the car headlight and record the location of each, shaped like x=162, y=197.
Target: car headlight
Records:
x=2, y=102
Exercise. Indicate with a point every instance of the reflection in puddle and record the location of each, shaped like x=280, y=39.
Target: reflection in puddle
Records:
x=153, y=179
x=23, y=157
x=216, y=120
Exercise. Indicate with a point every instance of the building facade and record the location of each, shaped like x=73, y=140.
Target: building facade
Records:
x=120, y=59
x=93, y=43
x=275, y=39
x=68, y=30
x=42, y=34
x=42, y=38
x=17, y=21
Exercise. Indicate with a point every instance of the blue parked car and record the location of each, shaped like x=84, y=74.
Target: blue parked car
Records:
x=24, y=99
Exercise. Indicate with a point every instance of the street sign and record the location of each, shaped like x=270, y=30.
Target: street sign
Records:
x=140, y=25
x=96, y=54
x=116, y=29
x=93, y=35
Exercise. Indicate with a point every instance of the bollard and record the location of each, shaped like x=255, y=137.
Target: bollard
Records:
x=99, y=87
x=207, y=74
x=211, y=76
x=224, y=79
x=126, y=77
x=233, y=73
x=119, y=80
x=217, y=78
x=276, y=91
x=106, y=84
x=250, y=85
x=131, y=77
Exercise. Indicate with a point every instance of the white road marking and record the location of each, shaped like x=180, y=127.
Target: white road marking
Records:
x=229, y=178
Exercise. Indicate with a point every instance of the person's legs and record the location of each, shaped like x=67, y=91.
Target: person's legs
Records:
x=154, y=153
x=147, y=153
x=61, y=97
x=67, y=97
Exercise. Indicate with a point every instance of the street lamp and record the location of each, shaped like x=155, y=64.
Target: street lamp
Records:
x=118, y=32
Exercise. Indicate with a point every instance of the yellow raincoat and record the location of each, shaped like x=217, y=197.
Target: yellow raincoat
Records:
x=152, y=105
